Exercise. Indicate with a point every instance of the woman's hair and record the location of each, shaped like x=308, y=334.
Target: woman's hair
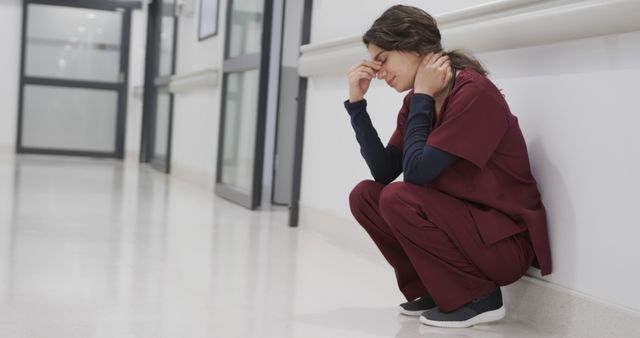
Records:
x=410, y=29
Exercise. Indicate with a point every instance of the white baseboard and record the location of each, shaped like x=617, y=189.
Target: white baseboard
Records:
x=343, y=232
x=557, y=311
x=554, y=310
x=201, y=178
x=132, y=156
x=7, y=151
x=6, y=148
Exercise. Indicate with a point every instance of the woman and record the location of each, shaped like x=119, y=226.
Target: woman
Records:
x=468, y=217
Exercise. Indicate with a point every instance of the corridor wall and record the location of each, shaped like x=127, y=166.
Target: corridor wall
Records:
x=575, y=101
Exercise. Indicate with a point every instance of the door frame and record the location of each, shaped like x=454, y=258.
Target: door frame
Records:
x=294, y=207
x=237, y=64
x=154, y=84
x=126, y=6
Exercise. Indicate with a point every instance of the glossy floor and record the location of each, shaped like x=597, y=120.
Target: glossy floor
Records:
x=97, y=248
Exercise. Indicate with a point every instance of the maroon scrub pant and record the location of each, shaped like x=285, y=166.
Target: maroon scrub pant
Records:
x=433, y=244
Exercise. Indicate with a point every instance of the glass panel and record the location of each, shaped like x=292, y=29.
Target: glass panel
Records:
x=166, y=37
x=73, y=43
x=241, y=103
x=161, y=137
x=69, y=118
x=246, y=27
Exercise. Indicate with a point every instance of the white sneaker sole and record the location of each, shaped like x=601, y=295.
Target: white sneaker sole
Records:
x=485, y=317
x=410, y=313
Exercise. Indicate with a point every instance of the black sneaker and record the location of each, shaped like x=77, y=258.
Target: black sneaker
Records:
x=417, y=306
x=482, y=310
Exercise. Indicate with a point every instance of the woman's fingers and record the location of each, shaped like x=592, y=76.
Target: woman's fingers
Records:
x=359, y=75
x=428, y=59
x=449, y=74
x=372, y=64
x=434, y=59
x=444, y=65
x=445, y=72
x=367, y=70
x=364, y=75
x=441, y=60
x=434, y=74
x=375, y=65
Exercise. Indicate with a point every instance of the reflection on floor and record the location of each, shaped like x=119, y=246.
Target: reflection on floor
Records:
x=97, y=248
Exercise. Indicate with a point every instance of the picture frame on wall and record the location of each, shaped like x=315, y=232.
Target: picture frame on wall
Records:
x=208, y=19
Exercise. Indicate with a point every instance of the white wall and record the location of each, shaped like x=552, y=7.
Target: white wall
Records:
x=11, y=18
x=355, y=18
x=576, y=106
x=575, y=102
x=196, y=113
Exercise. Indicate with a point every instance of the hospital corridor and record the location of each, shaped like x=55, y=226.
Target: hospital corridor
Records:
x=319, y=169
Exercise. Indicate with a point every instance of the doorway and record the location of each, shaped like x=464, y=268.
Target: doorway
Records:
x=158, y=101
x=244, y=98
x=73, y=77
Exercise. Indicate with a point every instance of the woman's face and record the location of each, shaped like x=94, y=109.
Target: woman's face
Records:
x=398, y=68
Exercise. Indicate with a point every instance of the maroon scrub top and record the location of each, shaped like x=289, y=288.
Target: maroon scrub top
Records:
x=493, y=173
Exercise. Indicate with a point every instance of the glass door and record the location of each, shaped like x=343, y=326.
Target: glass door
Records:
x=74, y=78
x=158, y=101
x=244, y=97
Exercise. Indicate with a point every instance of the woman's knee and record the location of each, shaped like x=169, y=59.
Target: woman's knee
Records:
x=400, y=200
x=392, y=194
x=363, y=192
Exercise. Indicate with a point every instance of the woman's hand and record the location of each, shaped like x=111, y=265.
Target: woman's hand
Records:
x=433, y=75
x=360, y=76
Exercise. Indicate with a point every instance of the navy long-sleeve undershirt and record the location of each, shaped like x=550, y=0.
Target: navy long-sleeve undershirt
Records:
x=420, y=162
x=385, y=163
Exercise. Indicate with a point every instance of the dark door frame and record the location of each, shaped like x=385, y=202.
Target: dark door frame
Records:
x=294, y=207
x=153, y=84
x=125, y=6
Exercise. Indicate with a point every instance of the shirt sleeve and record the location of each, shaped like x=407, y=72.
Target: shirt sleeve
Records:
x=397, y=138
x=474, y=122
x=421, y=162
x=385, y=163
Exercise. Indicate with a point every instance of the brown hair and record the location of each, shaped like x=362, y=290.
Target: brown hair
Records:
x=410, y=29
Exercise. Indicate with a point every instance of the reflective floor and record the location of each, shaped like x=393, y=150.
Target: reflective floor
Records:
x=98, y=248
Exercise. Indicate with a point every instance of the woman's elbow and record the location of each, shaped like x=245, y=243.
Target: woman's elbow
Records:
x=384, y=179
x=413, y=177
x=381, y=176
